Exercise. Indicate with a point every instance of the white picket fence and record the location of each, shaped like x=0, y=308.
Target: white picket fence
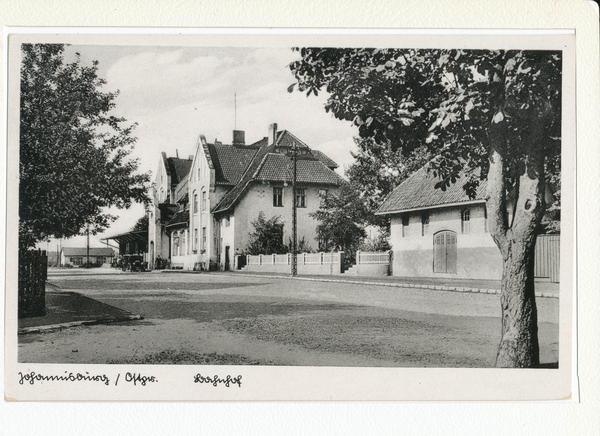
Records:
x=303, y=259
x=373, y=258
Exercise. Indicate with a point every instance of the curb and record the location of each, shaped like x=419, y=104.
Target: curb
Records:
x=65, y=325
x=127, y=316
x=404, y=285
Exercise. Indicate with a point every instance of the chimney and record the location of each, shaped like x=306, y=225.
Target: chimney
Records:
x=177, y=153
x=239, y=137
x=272, y=134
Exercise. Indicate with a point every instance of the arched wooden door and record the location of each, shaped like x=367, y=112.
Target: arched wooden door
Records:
x=444, y=252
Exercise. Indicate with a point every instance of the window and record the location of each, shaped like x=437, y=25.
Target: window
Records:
x=277, y=197
x=227, y=221
x=300, y=198
x=204, y=238
x=199, y=173
x=466, y=221
x=195, y=239
x=405, y=222
x=203, y=201
x=176, y=244
x=424, y=224
x=195, y=203
x=183, y=243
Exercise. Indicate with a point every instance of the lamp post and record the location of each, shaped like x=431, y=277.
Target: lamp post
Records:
x=294, y=215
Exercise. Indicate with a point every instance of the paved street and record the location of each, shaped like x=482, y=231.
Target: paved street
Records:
x=232, y=318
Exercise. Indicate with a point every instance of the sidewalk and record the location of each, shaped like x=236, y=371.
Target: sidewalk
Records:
x=69, y=309
x=543, y=289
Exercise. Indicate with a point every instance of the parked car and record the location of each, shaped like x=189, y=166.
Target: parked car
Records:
x=134, y=262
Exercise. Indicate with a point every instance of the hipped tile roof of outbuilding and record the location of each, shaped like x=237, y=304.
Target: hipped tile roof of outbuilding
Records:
x=419, y=192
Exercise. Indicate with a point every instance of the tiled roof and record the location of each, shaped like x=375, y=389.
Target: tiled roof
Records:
x=167, y=210
x=279, y=168
x=418, y=191
x=178, y=169
x=287, y=140
x=266, y=165
x=82, y=251
x=181, y=216
x=325, y=159
x=230, y=162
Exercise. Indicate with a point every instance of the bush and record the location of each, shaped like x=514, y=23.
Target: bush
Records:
x=267, y=237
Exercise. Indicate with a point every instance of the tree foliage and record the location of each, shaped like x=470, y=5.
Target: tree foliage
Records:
x=378, y=242
x=73, y=151
x=267, y=236
x=341, y=218
x=378, y=169
x=410, y=99
x=141, y=225
x=492, y=114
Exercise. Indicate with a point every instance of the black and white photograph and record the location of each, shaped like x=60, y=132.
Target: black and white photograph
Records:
x=235, y=205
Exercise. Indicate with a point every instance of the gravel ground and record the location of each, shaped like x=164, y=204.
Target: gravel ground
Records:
x=205, y=319
x=173, y=357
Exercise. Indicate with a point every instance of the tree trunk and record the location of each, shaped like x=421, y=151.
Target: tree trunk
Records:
x=519, y=347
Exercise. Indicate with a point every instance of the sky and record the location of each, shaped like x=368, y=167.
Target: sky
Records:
x=175, y=94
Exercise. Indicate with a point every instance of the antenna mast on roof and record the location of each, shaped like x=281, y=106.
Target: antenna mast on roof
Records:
x=234, y=111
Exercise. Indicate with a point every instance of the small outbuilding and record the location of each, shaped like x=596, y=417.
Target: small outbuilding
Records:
x=437, y=233
x=78, y=256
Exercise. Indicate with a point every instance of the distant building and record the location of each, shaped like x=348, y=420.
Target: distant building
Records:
x=205, y=219
x=76, y=256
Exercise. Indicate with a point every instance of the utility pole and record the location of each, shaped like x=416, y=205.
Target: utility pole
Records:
x=294, y=215
x=88, y=246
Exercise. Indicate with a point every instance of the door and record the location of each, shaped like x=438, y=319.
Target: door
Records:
x=227, y=258
x=444, y=252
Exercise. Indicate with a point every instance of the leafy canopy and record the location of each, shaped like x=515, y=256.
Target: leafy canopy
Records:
x=342, y=219
x=73, y=151
x=378, y=169
x=141, y=225
x=441, y=99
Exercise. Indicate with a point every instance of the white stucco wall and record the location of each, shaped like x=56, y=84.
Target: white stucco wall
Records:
x=477, y=254
x=259, y=197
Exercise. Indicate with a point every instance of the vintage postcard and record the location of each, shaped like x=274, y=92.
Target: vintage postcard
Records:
x=287, y=216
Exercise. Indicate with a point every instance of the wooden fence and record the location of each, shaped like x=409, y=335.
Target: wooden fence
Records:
x=33, y=271
x=547, y=257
